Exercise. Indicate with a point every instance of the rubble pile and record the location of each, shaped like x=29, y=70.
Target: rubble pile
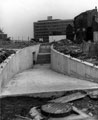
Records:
x=69, y=48
x=84, y=51
x=4, y=53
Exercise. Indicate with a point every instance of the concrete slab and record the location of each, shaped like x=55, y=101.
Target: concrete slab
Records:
x=42, y=79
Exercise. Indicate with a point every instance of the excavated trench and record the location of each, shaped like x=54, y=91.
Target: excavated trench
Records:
x=18, y=107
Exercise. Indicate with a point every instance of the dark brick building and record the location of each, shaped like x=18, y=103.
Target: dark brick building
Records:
x=44, y=28
x=85, y=24
x=2, y=35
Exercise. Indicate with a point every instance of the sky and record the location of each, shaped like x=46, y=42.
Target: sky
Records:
x=17, y=16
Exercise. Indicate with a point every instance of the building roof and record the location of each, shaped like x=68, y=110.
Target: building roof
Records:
x=94, y=11
x=1, y=32
x=55, y=20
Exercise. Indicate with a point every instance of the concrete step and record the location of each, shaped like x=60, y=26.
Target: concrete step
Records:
x=43, y=58
x=44, y=49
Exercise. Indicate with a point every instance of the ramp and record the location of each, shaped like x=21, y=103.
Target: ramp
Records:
x=41, y=79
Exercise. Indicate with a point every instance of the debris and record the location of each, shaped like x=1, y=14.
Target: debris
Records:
x=86, y=51
x=83, y=114
x=11, y=106
x=93, y=94
x=90, y=114
x=35, y=114
x=22, y=117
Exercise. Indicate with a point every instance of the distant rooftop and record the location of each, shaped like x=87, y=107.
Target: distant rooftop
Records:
x=49, y=18
x=1, y=31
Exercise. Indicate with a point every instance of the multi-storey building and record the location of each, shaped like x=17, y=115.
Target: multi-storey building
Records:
x=45, y=28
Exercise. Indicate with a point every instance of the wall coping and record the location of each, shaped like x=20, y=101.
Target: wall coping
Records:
x=73, y=58
x=6, y=61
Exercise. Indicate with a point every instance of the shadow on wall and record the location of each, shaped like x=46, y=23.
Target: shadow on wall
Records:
x=22, y=60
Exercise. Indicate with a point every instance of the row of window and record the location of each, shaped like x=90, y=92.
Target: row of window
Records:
x=47, y=32
x=50, y=29
x=51, y=24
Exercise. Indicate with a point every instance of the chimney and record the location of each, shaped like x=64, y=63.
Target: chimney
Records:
x=96, y=8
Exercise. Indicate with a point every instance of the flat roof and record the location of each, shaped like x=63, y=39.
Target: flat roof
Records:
x=55, y=20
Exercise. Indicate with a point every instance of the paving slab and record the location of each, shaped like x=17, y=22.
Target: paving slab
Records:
x=41, y=79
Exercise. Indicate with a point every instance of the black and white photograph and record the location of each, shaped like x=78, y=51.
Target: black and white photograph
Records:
x=48, y=59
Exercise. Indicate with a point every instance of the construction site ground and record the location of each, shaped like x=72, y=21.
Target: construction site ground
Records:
x=21, y=94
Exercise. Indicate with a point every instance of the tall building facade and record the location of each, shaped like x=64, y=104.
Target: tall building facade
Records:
x=86, y=24
x=45, y=28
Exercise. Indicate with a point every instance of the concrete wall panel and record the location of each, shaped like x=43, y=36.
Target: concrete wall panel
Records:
x=80, y=69
x=96, y=74
x=95, y=34
x=65, y=65
x=73, y=66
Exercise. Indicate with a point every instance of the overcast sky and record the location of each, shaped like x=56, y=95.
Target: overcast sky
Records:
x=17, y=16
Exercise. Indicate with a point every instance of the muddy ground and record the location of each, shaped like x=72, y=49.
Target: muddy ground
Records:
x=12, y=106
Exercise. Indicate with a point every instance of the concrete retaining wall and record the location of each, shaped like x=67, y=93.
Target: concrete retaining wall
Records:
x=95, y=34
x=22, y=60
x=66, y=64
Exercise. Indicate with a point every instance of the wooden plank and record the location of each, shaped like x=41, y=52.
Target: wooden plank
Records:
x=69, y=98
